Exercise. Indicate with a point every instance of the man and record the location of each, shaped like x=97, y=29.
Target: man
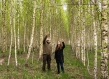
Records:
x=47, y=49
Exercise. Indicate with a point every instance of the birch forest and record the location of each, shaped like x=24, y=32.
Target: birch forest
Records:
x=82, y=24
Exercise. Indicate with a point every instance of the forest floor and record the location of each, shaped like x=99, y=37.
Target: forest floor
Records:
x=74, y=69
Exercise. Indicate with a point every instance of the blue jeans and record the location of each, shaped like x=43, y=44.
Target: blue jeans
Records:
x=60, y=64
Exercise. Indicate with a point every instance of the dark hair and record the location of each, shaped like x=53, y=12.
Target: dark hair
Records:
x=60, y=47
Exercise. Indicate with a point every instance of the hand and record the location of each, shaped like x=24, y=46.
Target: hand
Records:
x=48, y=34
x=62, y=40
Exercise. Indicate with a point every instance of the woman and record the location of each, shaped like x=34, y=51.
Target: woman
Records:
x=59, y=57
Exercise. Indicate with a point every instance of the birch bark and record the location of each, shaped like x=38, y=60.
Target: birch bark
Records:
x=11, y=5
x=14, y=26
x=104, y=30
x=32, y=34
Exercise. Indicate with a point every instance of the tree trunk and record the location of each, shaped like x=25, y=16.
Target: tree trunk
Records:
x=41, y=35
x=11, y=5
x=4, y=25
x=32, y=34
x=95, y=39
x=95, y=49
x=18, y=39
x=82, y=36
x=104, y=53
x=14, y=25
x=84, y=30
x=24, y=24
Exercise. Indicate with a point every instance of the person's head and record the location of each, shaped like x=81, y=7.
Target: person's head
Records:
x=48, y=40
x=59, y=45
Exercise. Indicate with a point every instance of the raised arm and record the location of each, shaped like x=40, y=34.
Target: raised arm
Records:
x=63, y=45
x=44, y=40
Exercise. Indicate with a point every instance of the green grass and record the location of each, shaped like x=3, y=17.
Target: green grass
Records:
x=74, y=69
x=91, y=61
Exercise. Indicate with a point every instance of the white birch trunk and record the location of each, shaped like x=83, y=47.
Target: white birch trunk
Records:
x=82, y=46
x=84, y=30
x=95, y=41
x=82, y=34
x=14, y=24
x=79, y=38
x=84, y=55
x=41, y=36
x=104, y=30
x=4, y=25
x=89, y=44
x=82, y=39
x=88, y=65
x=95, y=48
x=32, y=35
x=18, y=39
x=11, y=5
x=78, y=48
x=18, y=32
x=24, y=35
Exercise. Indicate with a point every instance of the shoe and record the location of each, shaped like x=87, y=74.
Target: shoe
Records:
x=58, y=72
x=49, y=69
x=43, y=70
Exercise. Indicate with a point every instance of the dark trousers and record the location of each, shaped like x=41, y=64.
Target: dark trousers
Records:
x=46, y=58
x=60, y=64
